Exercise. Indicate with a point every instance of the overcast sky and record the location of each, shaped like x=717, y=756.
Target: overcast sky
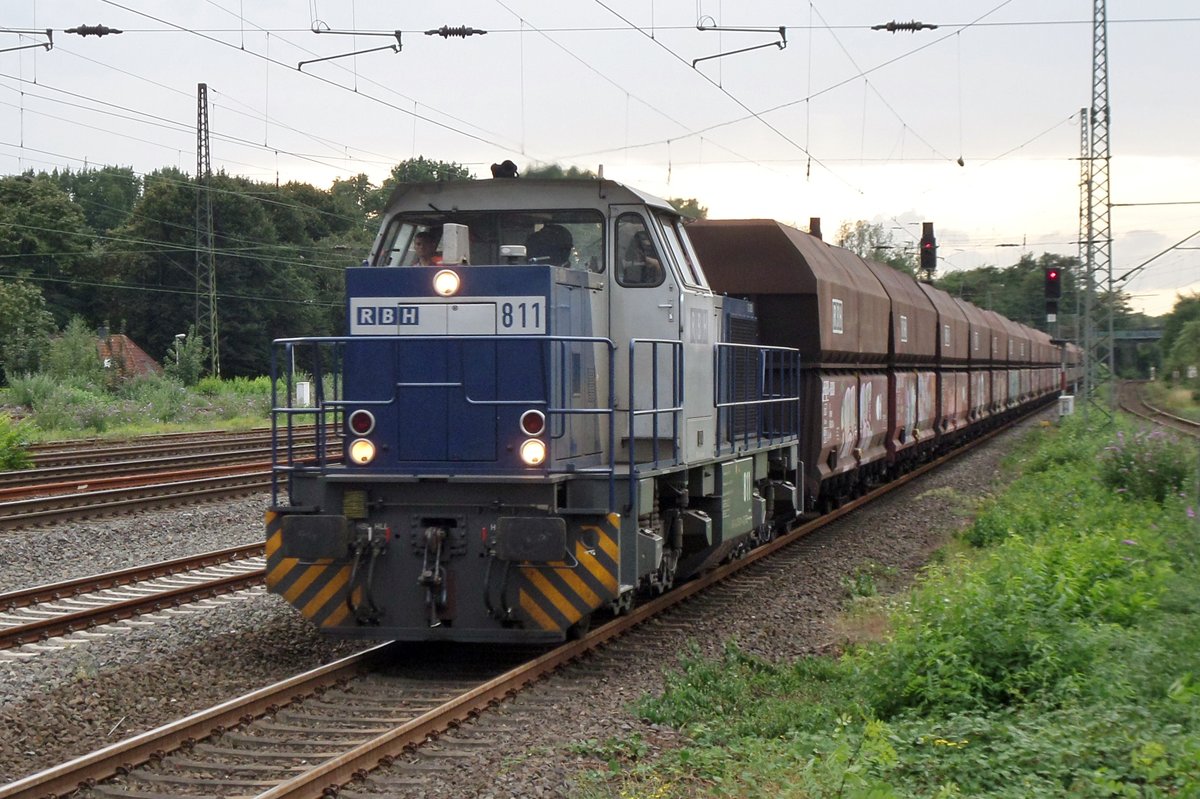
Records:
x=843, y=123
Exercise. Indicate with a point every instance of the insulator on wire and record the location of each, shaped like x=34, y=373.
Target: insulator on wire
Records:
x=462, y=31
x=93, y=30
x=911, y=27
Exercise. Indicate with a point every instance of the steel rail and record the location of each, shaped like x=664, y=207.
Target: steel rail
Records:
x=124, y=755
x=1131, y=401
x=54, y=476
x=84, y=451
x=76, y=621
x=50, y=592
x=119, y=500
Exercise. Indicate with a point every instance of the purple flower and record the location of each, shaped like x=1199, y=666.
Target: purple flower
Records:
x=1191, y=512
x=1129, y=542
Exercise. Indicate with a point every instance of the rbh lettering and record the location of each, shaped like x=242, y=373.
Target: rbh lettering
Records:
x=389, y=315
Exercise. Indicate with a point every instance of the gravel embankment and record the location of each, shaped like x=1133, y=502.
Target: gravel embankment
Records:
x=66, y=702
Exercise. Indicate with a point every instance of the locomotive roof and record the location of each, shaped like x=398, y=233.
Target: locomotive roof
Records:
x=518, y=193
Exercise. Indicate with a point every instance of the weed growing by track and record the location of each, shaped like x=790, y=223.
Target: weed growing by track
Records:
x=1057, y=655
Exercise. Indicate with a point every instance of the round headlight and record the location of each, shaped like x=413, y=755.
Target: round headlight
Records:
x=533, y=452
x=446, y=283
x=533, y=423
x=361, y=423
x=362, y=451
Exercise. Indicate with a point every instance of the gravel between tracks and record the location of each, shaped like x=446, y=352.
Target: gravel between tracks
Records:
x=66, y=702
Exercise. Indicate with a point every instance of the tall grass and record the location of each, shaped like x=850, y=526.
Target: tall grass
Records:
x=152, y=403
x=1057, y=656
x=12, y=444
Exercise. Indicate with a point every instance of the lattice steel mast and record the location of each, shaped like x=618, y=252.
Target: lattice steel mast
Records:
x=206, y=268
x=1098, y=310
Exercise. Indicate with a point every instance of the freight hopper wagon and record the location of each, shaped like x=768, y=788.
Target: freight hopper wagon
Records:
x=893, y=370
x=547, y=416
x=828, y=304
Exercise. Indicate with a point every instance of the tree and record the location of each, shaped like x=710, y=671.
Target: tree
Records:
x=106, y=196
x=556, y=172
x=356, y=197
x=73, y=357
x=420, y=170
x=44, y=237
x=185, y=362
x=1185, y=351
x=875, y=243
x=25, y=327
x=689, y=207
x=1187, y=309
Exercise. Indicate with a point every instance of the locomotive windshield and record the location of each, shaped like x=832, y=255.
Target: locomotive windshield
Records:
x=573, y=239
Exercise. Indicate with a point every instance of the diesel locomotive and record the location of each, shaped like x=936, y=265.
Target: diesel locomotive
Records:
x=578, y=399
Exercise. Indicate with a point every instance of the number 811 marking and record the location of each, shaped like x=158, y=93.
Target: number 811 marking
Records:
x=522, y=317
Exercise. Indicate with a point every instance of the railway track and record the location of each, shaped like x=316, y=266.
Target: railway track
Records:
x=308, y=735
x=184, y=447
x=174, y=490
x=1130, y=400
x=38, y=614
x=87, y=479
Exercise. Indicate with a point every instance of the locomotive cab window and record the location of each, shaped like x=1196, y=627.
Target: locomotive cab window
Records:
x=639, y=263
x=565, y=238
x=681, y=248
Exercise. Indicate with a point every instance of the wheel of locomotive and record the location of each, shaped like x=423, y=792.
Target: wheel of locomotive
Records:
x=580, y=628
x=623, y=603
x=666, y=572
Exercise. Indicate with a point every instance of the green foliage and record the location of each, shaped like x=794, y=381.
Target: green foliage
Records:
x=1187, y=309
x=187, y=357
x=1185, y=349
x=32, y=390
x=864, y=580
x=71, y=409
x=419, y=170
x=43, y=234
x=1146, y=465
x=73, y=358
x=875, y=242
x=689, y=207
x=1060, y=661
x=144, y=404
x=25, y=327
x=1017, y=291
x=556, y=172
x=13, y=436
x=238, y=397
x=105, y=196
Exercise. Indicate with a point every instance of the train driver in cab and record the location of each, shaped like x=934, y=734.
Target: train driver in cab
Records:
x=640, y=262
x=425, y=246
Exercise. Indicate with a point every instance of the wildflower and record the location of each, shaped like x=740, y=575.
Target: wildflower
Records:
x=1191, y=512
x=1129, y=542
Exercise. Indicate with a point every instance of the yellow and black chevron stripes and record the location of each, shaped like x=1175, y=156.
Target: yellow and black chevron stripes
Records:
x=553, y=596
x=318, y=590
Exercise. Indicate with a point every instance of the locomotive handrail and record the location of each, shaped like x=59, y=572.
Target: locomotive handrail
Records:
x=655, y=410
x=773, y=365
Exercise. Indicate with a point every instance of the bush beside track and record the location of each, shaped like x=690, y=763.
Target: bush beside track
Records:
x=1056, y=652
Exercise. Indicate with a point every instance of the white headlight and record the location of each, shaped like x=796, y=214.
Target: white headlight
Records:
x=362, y=451
x=446, y=283
x=533, y=452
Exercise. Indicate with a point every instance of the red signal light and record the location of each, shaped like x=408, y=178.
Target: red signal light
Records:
x=1053, y=283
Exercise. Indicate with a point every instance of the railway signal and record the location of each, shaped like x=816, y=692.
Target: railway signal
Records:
x=1053, y=283
x=928, y=250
